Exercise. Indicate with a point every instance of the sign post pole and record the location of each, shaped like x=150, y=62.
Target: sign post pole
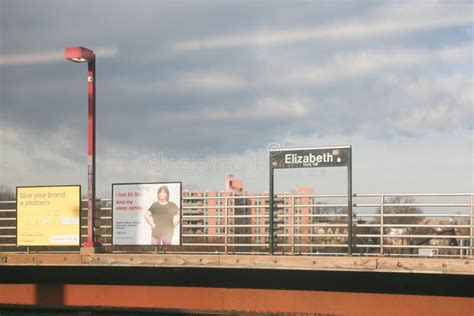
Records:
x=349, y=201
x=271, y=209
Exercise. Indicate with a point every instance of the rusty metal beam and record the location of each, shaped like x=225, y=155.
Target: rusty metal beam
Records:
x=230, y=300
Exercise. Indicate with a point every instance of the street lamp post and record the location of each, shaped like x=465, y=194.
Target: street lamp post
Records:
x=82, y=55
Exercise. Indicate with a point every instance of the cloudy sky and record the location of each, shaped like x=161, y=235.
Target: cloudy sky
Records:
x=195, y=90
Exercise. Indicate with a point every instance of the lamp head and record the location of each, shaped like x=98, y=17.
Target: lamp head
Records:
x=79, y=54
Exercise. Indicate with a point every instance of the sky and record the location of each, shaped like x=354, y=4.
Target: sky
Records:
x=193, y=91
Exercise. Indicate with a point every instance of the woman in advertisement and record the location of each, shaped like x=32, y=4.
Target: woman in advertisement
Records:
x=163, y=217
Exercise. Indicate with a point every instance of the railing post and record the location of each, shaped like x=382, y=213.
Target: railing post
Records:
x=226, y=229
x=382, y=201
x=293, y=228
x=97, y=220
x=471, y=242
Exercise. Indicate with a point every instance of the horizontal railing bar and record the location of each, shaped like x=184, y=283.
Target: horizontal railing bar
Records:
x=426, y=246
x=425, y=205
x=427, y=225
x=265, y=245
x=427, y=236
x=409, y=194
x=187, y=197
x=312, y=235
x=426, y=215
x=84, y=218
x=248, y=206
x=206, y=226
x=314, y=225
x=228, y=216
x=201, y=245
x=265, y=216
x=309, y=205
x=202, y=216
x=309, y=215
x=203, y=235
x=411, y=215
x=412, y=225
x=314, y=245
x=306, y=206
x=415, y=255
x=308, y=235
x=221, y=207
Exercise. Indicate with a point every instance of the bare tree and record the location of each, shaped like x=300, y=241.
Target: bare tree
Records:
x=6, y=194
x=403, y=206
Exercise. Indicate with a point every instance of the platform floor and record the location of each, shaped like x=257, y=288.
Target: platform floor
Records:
x=315, y=263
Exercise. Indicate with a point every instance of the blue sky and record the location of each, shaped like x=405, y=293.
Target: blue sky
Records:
x=196, y=90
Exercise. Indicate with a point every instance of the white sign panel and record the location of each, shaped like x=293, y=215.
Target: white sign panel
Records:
x=146, y=213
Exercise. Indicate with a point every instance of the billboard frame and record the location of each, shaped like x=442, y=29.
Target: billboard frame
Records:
x=274, y=165
x=48, y=186
x=139, y=183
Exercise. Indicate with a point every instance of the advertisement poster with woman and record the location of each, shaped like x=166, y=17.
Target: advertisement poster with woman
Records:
x=146, y=213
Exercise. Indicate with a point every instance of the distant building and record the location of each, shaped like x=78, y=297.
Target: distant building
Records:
x=234, y=185
x=211, y=207
x=248, y=213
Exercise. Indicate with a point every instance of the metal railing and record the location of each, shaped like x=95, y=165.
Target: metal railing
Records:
x=429, y=224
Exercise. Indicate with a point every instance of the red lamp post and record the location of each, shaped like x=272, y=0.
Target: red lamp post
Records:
x=82, y=55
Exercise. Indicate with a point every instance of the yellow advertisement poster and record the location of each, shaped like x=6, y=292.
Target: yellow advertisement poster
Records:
x=48, y=216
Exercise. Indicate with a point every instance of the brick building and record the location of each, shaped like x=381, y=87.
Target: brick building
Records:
x=248, y=214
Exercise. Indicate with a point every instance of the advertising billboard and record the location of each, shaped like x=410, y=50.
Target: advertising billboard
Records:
x=48, y=215
x=146, y=213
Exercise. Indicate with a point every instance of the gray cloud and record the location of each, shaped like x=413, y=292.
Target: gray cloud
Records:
x=207, y=80
x=57, y=56
x=394, y=20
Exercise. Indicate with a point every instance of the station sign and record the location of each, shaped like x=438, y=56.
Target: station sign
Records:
x=310, y=157
x=315, y=157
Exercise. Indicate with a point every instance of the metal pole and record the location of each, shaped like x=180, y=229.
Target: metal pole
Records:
x=293, y=228
x=382, y=201
x=270, y=203
x=226, y=226
x=91, y=154
x=472, y=227
x=349, y=200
